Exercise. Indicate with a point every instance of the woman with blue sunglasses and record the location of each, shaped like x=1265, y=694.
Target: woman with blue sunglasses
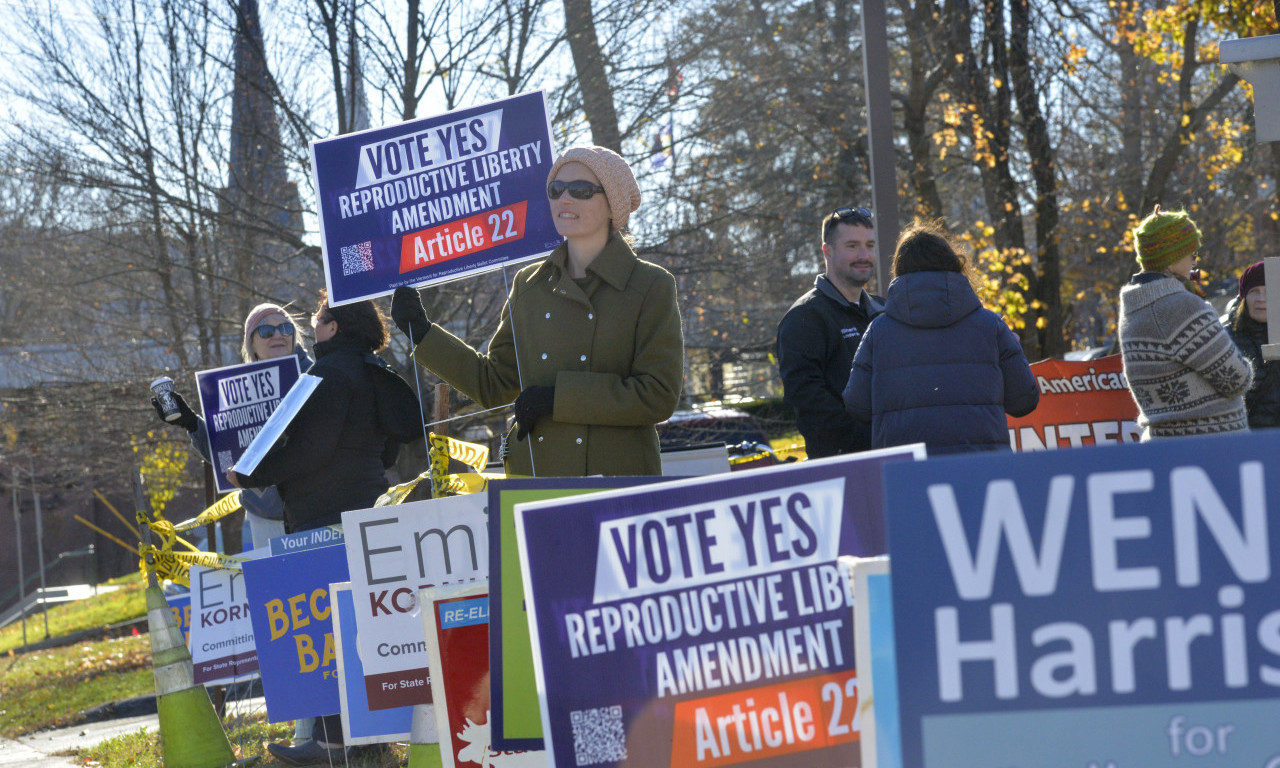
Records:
x=589, y=343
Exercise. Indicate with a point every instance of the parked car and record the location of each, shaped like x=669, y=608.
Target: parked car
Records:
x=709, y=424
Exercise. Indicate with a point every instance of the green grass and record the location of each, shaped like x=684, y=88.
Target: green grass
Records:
x=248, y=736
x=129, y=602
x=49, y=689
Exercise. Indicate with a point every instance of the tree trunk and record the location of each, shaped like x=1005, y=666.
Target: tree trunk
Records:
x=409, y=93
x=922, y=85
x=597, y=98
x=1132, y=119
x=1043, y=170
x=991, y=138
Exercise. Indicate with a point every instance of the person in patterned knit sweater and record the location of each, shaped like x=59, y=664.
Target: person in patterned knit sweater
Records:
x=1185, y=373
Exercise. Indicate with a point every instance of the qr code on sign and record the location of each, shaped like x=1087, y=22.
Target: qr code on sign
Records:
x=598, y=735
x=357, y=258
x=224, y=458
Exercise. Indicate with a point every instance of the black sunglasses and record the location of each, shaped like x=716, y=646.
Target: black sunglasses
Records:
x=267, y=330
x=580, y=189
x=851, y=213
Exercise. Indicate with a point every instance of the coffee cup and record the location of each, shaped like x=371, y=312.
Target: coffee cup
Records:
x=162, y=388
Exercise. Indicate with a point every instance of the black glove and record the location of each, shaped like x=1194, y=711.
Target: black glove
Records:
x=408, y=315
x=533, y=404
x=187, y=418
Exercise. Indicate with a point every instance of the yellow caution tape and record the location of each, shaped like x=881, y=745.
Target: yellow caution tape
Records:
x=396, y=494
x=442, y=448
x=176, y=566
x=225, y=506
x=472, y=454
x=110, y=536
x=468, y=482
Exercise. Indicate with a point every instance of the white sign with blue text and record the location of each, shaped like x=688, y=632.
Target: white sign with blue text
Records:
x=1111, y=607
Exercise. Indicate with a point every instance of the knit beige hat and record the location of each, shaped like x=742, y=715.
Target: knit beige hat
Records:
x=620, y=187
x=252, y=321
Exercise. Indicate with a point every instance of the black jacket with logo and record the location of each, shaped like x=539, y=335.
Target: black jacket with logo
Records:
x=816, y=342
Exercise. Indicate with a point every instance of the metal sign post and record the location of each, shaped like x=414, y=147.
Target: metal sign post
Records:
x=35, y=495
x=884, y=184
x=22, y=576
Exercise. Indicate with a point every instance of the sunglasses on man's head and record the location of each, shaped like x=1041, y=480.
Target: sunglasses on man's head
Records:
x=852, y=213
x=580, y=189
x=267, y=330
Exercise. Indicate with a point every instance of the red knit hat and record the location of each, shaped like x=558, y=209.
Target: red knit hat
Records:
x=1253, y=276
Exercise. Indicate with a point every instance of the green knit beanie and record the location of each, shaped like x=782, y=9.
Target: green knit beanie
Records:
x=1165, y=238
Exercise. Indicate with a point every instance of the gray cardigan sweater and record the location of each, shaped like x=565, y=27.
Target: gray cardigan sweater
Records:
x=1184, y=371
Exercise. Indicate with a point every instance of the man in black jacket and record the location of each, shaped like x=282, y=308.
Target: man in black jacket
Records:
x=819, y=334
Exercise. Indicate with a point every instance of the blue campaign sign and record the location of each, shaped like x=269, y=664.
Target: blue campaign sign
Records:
x=435, y=199
x=293, y=630
x=236, y=401
x=703, y=621
x=312, y=539
x=361, y=725
x=180, y=607
x=1109, y=607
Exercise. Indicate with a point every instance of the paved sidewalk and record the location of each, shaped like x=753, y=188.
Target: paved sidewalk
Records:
x=40, y=750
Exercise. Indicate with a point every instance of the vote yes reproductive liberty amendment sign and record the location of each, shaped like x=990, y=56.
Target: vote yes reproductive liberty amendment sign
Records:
x=702, y=622
x=1111, y=607
x=434, y=199
x=236, y=401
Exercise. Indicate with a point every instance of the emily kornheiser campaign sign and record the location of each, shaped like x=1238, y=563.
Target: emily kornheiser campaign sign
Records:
x=435, y=199
x=392, y=552
x=703, y=621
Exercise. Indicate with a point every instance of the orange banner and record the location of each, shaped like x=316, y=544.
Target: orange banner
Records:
x=462, y=237
x=1081, y=403
x=760, y=723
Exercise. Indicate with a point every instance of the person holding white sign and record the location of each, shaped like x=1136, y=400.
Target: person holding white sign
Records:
x=336, y=450
x=589, y=344
x=270, y=332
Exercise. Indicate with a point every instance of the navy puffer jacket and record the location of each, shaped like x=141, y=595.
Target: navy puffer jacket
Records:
x=937, y=368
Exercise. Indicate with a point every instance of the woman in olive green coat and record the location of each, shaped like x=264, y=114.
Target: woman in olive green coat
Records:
x=589, y=343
